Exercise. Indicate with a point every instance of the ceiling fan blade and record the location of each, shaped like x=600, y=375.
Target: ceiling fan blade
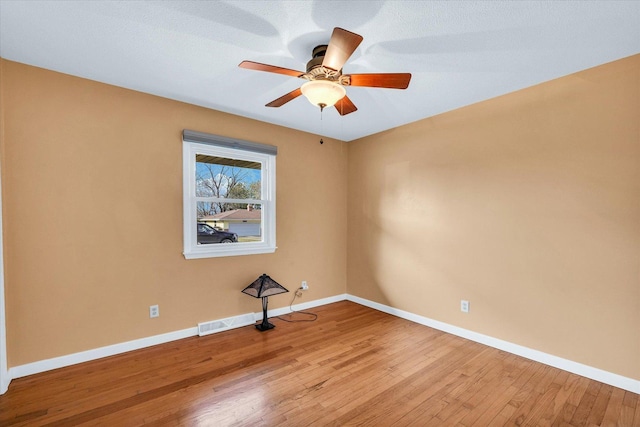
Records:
x=285, y=98
x=345, y=106
x=270, y=68
x=386, y=80
x=341, y=46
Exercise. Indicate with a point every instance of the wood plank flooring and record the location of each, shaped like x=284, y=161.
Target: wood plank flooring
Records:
x=352, y=366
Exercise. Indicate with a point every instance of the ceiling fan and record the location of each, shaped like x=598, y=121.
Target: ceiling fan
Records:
x=325, y=85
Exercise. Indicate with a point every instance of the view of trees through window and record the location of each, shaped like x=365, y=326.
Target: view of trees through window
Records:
x=223, y=178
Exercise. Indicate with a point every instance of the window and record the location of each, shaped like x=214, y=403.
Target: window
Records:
x=229, y=196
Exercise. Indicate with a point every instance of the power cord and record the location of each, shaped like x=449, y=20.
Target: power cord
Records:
x=297, y=294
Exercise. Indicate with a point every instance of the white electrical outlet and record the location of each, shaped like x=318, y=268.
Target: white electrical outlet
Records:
x=304, y=286
x=464, y=306
x=154, y=311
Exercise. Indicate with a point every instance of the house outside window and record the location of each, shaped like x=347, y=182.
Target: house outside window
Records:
x=229, y=196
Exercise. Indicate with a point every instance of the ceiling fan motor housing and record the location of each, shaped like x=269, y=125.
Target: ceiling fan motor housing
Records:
x=315, y=69
x=317, y=56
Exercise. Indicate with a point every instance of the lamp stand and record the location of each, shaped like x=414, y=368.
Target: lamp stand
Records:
x=265, y=325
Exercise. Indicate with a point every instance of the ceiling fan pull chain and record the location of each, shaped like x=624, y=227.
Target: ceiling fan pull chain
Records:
x=321, y=126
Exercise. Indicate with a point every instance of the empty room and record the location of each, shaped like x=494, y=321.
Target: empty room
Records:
x=326, y=213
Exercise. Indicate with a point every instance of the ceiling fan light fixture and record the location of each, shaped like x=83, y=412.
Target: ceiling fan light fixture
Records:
x=323, y=93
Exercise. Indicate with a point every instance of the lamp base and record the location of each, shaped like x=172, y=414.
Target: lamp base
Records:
x=265, y=326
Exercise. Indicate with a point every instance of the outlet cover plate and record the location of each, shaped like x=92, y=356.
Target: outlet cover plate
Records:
x=464, y=306
x=154, y=311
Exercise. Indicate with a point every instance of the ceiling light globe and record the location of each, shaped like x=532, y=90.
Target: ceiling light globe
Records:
x=323, y=93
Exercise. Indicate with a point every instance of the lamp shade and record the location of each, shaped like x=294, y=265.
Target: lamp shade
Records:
x=323, y=93
x=264, y=286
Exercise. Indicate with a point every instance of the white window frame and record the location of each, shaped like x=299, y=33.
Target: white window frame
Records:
x=268, y=199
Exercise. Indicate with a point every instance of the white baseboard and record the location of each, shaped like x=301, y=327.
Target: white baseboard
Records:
x=303, y=306
x=548, y=359
x=98, y=353
x=111, y=350
x=538, y=356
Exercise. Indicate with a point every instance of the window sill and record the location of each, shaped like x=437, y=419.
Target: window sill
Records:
x=227, y=251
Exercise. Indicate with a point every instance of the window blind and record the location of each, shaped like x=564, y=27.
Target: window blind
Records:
x=221, y=141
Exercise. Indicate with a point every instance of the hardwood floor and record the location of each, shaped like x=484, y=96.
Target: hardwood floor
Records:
x=353, y=366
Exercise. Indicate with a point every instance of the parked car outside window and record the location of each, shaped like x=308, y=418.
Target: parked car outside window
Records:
x=208, y=234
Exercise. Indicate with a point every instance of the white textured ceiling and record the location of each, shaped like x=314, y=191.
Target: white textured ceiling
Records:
x=458, y=52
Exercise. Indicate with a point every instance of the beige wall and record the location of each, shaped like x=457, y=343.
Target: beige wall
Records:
x=92, y=199
x=527, y=205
